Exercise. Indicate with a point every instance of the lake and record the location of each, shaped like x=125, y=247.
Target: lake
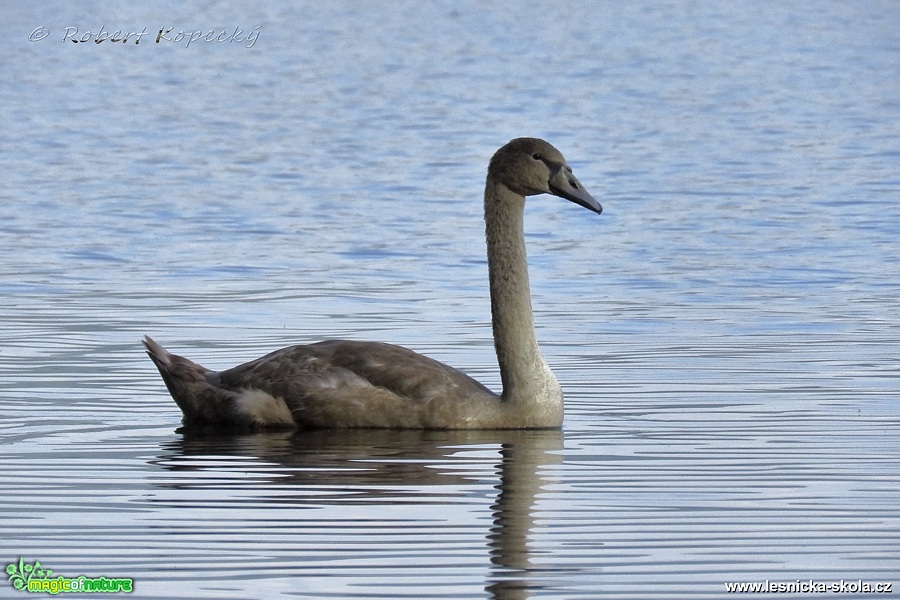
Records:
x=727, y=332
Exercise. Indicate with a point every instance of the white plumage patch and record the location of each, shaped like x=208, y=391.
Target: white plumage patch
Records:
x=263, y=409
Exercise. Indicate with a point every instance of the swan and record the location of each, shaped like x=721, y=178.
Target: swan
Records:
x=353, y=384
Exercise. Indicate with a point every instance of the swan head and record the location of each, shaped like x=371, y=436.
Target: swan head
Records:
x=530, y=166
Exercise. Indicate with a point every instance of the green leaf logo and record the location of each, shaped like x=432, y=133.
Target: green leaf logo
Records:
x=20, y=574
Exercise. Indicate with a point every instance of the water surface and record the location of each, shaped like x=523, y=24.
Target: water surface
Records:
x=726, y=333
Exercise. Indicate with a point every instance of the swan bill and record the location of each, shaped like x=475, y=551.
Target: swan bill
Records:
x=565, y=185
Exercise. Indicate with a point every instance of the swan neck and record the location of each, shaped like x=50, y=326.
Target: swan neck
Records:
x=525, y=375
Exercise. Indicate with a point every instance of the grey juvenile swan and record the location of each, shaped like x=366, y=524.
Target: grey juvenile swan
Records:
x=348, y=384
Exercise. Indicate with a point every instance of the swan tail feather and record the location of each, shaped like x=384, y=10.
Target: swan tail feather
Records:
x=199, y=399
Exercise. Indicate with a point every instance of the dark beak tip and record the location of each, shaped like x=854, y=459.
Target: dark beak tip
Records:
x=588, y=203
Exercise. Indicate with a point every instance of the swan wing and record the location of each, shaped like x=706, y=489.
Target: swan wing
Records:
x=340, y=383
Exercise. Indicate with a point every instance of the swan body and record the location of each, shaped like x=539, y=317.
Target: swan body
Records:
x=350, y=384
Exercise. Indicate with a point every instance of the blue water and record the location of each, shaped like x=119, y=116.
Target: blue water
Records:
x=726, y=333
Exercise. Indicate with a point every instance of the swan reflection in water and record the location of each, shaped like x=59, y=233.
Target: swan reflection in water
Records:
x=350, y=470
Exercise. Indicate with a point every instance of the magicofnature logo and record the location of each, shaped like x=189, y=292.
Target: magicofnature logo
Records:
x=33, y=577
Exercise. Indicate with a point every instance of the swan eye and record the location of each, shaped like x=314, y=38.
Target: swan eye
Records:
x=537, y=156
